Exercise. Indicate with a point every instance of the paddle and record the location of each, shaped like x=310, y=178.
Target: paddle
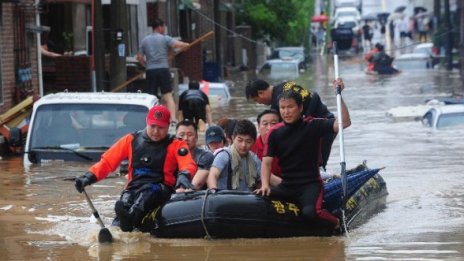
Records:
x=104, y=236
x=340, y=135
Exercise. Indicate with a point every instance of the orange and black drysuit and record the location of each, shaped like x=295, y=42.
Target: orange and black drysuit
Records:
x=152, y=170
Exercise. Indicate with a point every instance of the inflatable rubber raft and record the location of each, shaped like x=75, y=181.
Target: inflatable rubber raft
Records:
x=235, y=214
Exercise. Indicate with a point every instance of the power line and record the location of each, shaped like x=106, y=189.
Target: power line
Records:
x=222, y=26
x=438, y=36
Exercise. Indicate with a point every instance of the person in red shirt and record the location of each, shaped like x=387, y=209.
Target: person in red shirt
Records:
x=266, y=120
x=158, y=163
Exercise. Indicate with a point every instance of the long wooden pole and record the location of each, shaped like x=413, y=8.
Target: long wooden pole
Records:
x=196, y=41
x=131, y=80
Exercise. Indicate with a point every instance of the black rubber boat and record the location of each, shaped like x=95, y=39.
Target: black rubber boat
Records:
x=234, y=214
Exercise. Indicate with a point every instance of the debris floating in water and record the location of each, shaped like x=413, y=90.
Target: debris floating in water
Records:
x=8, y=207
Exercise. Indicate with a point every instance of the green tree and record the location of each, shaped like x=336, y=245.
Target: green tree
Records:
x=284, y=22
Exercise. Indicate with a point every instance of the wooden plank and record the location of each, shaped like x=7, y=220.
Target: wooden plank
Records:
x=124, y=84
x=18, y=110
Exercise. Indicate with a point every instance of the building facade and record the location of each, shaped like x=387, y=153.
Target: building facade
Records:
x=65, y=27
x=18, y=52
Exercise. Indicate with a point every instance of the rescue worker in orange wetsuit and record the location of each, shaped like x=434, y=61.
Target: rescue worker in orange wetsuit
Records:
x=155, y=160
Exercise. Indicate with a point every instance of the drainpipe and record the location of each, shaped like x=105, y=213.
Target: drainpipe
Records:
x=449, y=37
x=93, y=75
x=98, y=47
x=39, y=53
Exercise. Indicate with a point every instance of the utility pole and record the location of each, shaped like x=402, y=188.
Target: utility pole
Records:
x=98, y=46
x=449, y=37
x=461, y=40
x=119, y=28
x=437, y=12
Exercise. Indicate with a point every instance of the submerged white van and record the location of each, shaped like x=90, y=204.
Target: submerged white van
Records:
x=73, y=126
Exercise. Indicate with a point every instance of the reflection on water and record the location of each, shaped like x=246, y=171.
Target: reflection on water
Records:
x=200, y=249
x=43, y=217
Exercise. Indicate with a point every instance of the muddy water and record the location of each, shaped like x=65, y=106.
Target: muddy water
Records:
x=43, y=217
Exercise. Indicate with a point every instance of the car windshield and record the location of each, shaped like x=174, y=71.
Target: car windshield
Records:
x=218, y=92
x=347, y=14
x=84, y=125
x=291, y=53
x=347, y=24
x=284, y=69
x=424, y=50
x=450, y=119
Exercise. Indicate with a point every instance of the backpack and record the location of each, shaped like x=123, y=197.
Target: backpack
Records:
x=229, y=169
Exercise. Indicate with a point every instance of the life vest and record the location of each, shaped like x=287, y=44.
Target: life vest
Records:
x=229, y=169
x=148, y=159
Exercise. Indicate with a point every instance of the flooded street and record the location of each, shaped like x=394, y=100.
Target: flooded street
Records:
x=43, y=217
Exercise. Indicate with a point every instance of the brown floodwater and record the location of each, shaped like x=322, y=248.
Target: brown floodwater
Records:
x=42, y=217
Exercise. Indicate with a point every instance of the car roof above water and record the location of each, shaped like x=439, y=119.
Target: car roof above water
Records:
x=451, y=108
x=295, y=48
x=145, y=99
x=283, y=60
x=444, y=116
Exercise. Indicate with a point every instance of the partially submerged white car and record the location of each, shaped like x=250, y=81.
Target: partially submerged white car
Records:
x=72, y=126
x=444, y=116
x=281, y=69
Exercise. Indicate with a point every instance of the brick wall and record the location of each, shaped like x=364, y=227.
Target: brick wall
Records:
x=7, y=58
x=190, y=63
x=8, y=77
x=73, y=73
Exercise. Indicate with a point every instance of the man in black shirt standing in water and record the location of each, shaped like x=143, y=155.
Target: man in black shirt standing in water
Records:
x=296, y=143
x=194, y=105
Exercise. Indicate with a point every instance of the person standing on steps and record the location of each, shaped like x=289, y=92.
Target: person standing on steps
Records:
x=153, y=55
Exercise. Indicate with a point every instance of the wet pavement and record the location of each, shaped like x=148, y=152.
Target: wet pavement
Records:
x=43, y=217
